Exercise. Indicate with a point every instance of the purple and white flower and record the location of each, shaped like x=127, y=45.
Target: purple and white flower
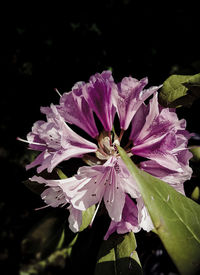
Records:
x=156, y=134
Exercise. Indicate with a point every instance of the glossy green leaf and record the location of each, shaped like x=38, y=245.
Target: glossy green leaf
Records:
x=87, y=217
x=117, y=256
x=180, y=90
x=193, y=84
x=176, y=218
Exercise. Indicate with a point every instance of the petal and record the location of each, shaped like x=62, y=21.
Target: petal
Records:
x=71, y=152
x=112, y=228
x=75, y=219
x=130, y=187
x=62, y=143
x=175, y=179
x=37, y=161
x=93, y=187
x=75, y=110
x=90, y=194
x=127, y=99
x=150, y=118
x=68, y=186
x=98, y=94
x=144, y=218
x=165, y=159
x=69, y=137
x=129, y=220
x=54, y=197
x=138, y=122
x=114, y=197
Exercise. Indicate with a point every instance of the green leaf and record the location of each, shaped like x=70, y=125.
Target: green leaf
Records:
x=196, y=194
x=70, y=245
x=87, y=217
x=46, y=236
x=176, y=218
x=180, y=90
x=56, y=260
x=117, y=256
x=61, y=174
x=195, y=150
x=193, y=84
x=48, y=244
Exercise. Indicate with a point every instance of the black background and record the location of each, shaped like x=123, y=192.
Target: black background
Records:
x=56, y=46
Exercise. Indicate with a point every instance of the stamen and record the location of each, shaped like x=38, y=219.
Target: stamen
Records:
x=113, y=186
x=42, y=207
x=128, y=144
x=57, y=92
x=109, y=135
x=102, y=152
x=30, y=142
x=95, y=213
x=121, y=135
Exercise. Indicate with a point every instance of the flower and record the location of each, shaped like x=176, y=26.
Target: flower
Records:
x=56, y=141
x=156, y=134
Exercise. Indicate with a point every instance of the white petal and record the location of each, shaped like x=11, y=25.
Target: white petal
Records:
x=75, y=219
x=144, y=218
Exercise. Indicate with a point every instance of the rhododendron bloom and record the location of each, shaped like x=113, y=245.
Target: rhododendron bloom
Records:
x=157, y=143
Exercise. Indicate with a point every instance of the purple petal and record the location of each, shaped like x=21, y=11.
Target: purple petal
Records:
x=161, y=137
x=127, y=99
x=98, y=94
x=75, y=110
x=138, y=122
x=129, y=221
x=159, y=149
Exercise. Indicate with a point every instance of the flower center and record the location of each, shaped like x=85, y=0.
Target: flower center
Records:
x=107, y=147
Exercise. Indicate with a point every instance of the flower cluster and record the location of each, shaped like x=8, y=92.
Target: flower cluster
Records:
x=156, y=136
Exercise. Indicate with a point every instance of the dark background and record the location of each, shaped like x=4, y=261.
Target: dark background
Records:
x=48, y=47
